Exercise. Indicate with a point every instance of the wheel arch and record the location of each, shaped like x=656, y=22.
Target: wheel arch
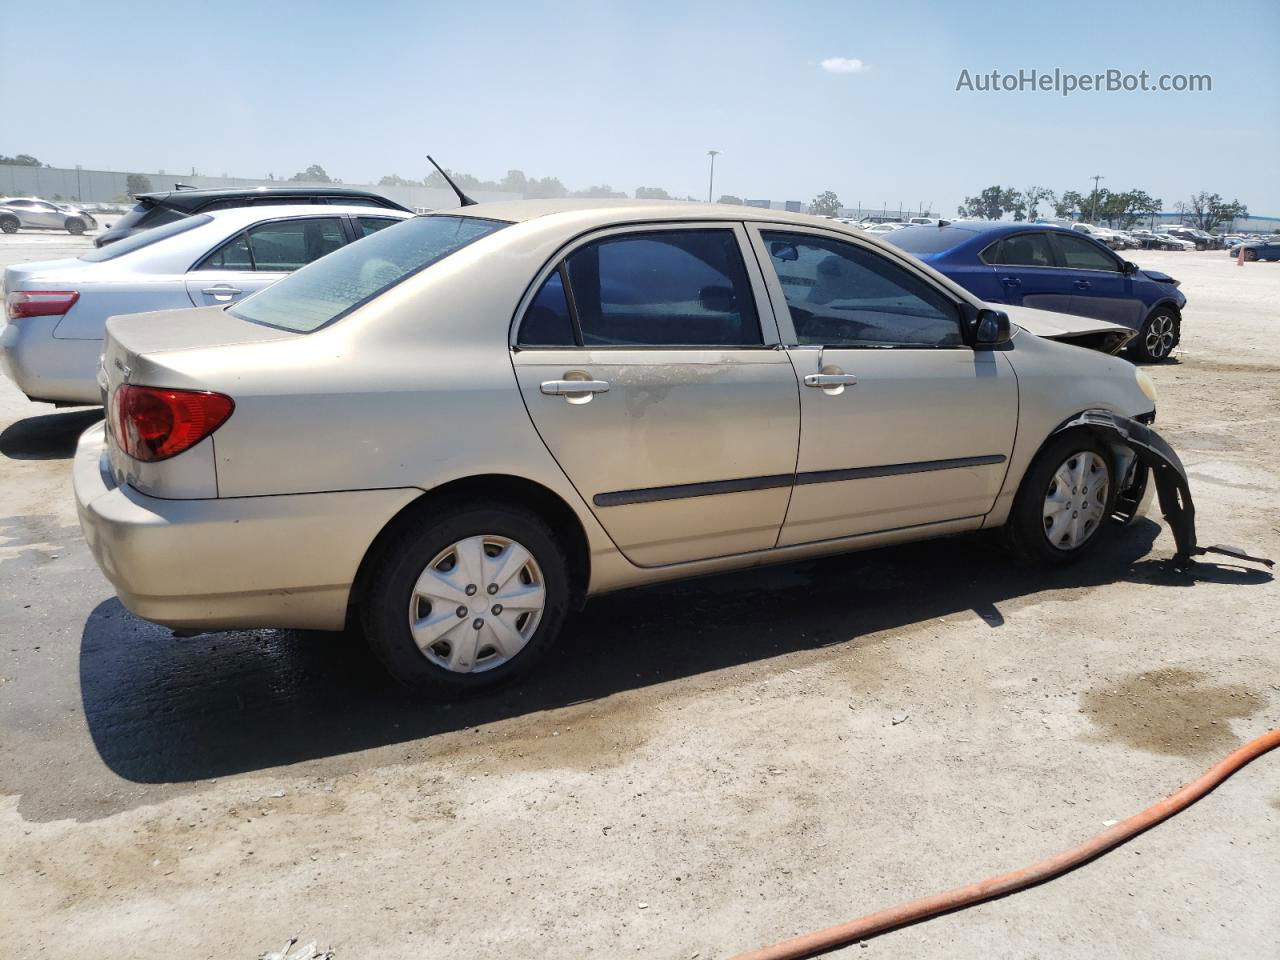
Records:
x=503, y=488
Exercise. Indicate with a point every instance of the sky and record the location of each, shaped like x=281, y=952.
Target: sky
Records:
x=799, y=97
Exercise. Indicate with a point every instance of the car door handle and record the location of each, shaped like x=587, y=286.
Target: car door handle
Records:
x=569, y=388
x=1083, y=284
x=829, y=379
x=221, y=290
x=1011, y=281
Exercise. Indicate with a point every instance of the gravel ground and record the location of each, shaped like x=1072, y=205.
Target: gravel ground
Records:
x=703, y=768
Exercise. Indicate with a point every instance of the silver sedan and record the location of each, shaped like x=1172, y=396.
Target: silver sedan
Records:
x=57, y=310
x=456, y=431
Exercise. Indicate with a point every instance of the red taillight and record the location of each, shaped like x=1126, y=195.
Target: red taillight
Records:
x=156, y=423
x=39, y=303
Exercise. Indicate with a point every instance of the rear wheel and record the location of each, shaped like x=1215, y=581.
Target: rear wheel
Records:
x=1061, y=510
x=9, y=224
x=75, y=226
x=1160, y=333
x=472, y=598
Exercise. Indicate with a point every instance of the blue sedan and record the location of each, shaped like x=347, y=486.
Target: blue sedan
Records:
x=1053, y=268
x=1268, y=249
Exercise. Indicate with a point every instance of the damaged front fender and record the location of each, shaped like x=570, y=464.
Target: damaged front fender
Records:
x=1170, y=476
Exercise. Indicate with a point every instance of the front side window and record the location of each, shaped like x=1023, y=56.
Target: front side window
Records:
x=665, y=288
x=1022, y=250
x=329, y=289
x=839, y=294
x=1081, y=254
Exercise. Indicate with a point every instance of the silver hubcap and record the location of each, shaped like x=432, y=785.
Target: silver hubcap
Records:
x=477, y=604
x=1075, y=500
x=1160, y=336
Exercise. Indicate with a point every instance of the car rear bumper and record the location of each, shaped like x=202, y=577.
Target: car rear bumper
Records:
x=47, y=369
x=278, y=561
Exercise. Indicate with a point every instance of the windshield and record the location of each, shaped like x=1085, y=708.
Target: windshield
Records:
x=335, y=285
x=144, y=239
x=923, y=241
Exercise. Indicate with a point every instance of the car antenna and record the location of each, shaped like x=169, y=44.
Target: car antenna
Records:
x=463, y=199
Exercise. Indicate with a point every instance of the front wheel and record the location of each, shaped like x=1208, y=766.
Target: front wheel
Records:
x=1160, y=333
x=1251, y=254
x=75, y=227
x=1061, y=510
x=472, y=597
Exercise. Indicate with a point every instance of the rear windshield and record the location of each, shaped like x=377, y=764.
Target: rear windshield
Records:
x=145, y=239
x=147, y=214
x=333, y=286
x=922, y=240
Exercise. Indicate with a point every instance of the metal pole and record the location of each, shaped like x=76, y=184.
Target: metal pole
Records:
x=711, y=181
x=1093, y=214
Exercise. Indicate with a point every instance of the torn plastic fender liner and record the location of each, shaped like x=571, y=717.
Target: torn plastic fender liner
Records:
x=1170, y=476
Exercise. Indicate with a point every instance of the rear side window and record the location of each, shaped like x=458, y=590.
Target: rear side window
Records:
x=278, y=247
x=1022, y=250
x=666, y=288
x=547, y=322
x=330, y=288
x=370, y=225
x=145, y=239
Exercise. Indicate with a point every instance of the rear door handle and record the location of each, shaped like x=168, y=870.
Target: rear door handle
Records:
x=222, y=291
x=568, y=388
x=1083, y=284
x=829, y=379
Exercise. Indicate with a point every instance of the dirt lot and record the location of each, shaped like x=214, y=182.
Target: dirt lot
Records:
x=703, y=768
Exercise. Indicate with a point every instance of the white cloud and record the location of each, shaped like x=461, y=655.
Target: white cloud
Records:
x=844, y=65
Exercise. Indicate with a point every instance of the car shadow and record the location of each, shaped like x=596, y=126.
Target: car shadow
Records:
x=51, y=436
x=162, y=709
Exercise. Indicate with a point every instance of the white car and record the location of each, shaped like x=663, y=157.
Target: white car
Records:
x=32, y=213
x=57, y=310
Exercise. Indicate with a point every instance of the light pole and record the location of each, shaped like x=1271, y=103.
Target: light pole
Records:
x=711, y=182
x=1093, y=214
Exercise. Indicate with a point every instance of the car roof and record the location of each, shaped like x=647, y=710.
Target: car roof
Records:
x=191, y=199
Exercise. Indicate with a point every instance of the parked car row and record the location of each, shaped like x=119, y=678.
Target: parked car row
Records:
x=1267, y=248
x=652, y=391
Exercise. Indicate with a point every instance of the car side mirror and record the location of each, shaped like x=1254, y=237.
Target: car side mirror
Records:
x=717, y=299
x=1130, y=267
x=993, y=329
x=781, y=250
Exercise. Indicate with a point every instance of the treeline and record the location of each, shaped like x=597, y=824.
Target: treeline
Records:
x=1122, y=209
x=531, y=188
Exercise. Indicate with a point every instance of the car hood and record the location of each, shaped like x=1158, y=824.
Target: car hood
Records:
x=1068, y=328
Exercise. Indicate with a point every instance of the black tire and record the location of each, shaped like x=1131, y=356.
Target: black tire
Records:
x=1024, y=532
x=8, y=224
x=75, y=226
x=386, y=603
x=1251, y=254
x=1158, y=336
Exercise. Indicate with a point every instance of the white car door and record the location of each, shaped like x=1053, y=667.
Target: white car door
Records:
x=261, y=255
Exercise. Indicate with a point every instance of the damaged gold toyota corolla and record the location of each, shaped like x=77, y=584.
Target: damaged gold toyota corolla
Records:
x=466, y=424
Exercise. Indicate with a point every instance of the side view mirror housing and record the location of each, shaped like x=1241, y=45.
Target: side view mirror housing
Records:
x=991, y=329
x=1130, y=267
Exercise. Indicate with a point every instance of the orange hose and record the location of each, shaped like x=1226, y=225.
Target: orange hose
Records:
x=999, y=886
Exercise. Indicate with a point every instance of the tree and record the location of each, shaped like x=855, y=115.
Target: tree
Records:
x=313, y=174
x=991, y=204
x=21, y=160
x=826, y=203
x=1207, y=210
x=1069, y=204
x=395, y=180
x=1125, y=209
x=1031, y=198
x=729, y=198
x=545, y=188
x=136, y=183
x=652, y=193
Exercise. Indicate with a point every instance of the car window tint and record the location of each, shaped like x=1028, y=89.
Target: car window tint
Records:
x=547, y=322
x=290, y=244
x=1081, y=254
x=232, y=255
x=839, y=294
x=370, y=225
x=1021, y=250
x=331, y=288
x=666, y=288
